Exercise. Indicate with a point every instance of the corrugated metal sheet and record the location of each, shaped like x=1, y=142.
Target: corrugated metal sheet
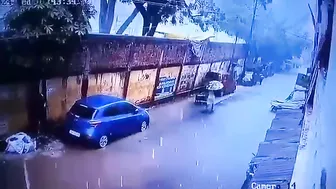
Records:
x=275, y=159
x=107, y=84
x=289, y=114
x=61, y=96
x=73, y=91
x=273, y=171
x=283, y=135
x=277, y=150
x=286, y=123
x=141, y=85
x=56, y=98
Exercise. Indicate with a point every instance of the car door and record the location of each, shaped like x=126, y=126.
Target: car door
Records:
x=131, y=121
x=112, y=119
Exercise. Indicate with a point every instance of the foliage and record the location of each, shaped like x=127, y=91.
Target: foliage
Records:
x=48, y=30
x=62, y=21
x=206, y=15
x=234, y=19
x=275, y=42
x=157, y=11
x=271, y=39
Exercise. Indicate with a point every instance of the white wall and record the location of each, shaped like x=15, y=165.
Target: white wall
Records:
x=328, y=115
x=320, y=151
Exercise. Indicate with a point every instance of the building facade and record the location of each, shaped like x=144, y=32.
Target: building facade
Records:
x=316, y=165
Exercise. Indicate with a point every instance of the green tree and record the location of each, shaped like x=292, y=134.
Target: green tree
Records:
x=205, y=14
x=154, y=12
x=275, y=41
x=234, y=19
x=106, y=15
x=54, y=23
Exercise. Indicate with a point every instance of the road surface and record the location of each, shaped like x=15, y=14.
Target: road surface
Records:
x=184, y=148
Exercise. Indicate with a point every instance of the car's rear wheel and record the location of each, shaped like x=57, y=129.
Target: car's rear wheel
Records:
x=103, y=141
x=144, y=126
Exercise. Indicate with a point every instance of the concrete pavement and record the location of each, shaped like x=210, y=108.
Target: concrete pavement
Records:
x=184, y=148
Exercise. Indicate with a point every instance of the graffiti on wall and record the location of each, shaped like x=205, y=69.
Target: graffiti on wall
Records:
x=215, y=67
x=224, y=68
x=107, y=84
x=13, y=111
x=61, y=95
x=202, y=71
x=141, y=85
x=188, y=75
x=167, y=82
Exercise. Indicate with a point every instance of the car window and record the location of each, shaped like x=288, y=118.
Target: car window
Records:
x=127, y=108
x=112, y=111
x=82, y=111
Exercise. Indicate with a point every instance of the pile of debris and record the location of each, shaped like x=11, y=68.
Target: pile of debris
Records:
x=20, y=143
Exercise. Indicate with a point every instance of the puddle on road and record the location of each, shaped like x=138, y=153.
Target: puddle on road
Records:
x=55, y=149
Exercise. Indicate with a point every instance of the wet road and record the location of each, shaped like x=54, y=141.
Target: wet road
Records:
x=184, y=148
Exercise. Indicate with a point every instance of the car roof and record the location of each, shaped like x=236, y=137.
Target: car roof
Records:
x=98, y=101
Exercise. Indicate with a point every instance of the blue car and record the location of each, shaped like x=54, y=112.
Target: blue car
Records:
x=97, y=118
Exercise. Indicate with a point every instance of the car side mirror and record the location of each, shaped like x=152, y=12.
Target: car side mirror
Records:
x=136, y=111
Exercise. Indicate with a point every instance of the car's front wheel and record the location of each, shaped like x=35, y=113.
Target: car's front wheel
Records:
x=144, y=126
x=103, y=141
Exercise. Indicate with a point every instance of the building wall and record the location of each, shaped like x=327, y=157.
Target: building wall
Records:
x=328, y=118
x=317, y=149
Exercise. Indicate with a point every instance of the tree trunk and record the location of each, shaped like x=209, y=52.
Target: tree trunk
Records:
x=233, y=54
x=128, y=21
x=106, y=15
x=145, y=16
x=33, y=107
x=86, y=72
x=146, y=26
x=153, y=28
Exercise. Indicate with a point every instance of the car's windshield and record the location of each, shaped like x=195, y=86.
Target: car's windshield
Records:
x=82, y=111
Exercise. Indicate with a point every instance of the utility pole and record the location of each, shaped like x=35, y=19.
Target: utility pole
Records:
x=250, y=38
x=232, y=56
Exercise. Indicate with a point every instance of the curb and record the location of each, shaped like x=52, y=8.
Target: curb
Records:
x=224, y=98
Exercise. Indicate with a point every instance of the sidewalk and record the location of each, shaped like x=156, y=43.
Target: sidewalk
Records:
x=276, y=156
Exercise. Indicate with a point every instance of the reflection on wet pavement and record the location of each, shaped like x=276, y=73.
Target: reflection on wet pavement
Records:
x=184, y=148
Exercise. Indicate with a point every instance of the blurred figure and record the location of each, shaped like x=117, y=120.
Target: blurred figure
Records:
x=255, y=77
x=261, y=78
x=211, y=101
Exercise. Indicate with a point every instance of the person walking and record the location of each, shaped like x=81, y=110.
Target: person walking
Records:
x=211, y=101
x=261, y=78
